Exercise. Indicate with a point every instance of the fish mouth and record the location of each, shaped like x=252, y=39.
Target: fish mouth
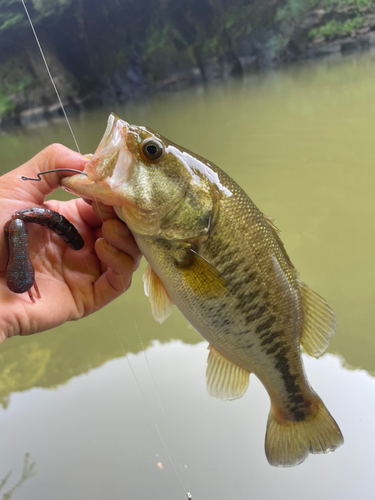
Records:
x=110, y=162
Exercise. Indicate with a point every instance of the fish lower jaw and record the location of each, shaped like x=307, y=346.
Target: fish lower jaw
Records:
x=87, y=188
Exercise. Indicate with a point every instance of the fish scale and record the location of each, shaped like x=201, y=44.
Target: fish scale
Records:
x=213, y=254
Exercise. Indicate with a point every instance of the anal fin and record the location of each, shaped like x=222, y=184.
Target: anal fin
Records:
x=225, y=380
x=161, y=303
x=319, y=323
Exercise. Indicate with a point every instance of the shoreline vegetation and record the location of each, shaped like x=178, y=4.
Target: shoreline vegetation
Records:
x=115, y=51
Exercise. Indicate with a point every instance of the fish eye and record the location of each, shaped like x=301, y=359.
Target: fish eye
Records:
x=151, y=149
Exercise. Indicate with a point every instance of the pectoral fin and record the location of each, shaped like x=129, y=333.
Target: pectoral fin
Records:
x=224, y=379
x=161, y=303
x=319, y=323
x=201, y=276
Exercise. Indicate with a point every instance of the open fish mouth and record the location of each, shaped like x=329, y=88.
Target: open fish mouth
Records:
x=109, y=165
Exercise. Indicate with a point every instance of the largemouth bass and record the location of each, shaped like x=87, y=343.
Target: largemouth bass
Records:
x=220, y=260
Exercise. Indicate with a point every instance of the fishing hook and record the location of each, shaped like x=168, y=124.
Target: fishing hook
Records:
x=38, y=178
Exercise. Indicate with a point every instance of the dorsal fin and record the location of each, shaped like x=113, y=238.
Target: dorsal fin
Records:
x=319, y=322
x=276, y=233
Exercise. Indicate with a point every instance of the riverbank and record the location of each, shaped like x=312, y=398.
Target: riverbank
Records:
x=169, y=49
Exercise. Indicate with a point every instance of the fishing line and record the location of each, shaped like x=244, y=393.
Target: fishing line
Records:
x=49, y=74
x=188, y=495
x=157, y=392
x=151, y=414
x=154, y=383
x=38, y=178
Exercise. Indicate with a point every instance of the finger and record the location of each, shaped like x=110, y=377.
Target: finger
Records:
x=118, y=235
x=55, y=156
x=88, y=214
x=70, y=209
x=102, y=249
x=103, y=212
x=112, y=257
x=116, y=279
x=98, y=233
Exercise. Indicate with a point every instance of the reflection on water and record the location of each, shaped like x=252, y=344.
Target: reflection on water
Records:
x=300, y=141
x=28, y=471
x=94, y=437
x=52, y=358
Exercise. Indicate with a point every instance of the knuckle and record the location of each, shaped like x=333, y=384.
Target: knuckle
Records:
x=54, y=149
x=51, y=153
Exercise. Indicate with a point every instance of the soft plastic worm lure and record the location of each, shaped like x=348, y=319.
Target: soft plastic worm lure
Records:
x=20, y=274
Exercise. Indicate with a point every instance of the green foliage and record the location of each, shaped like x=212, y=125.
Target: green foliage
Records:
x=94, y=40
x=14, y=78
x=48, y=7
x=335, y=28
x=157, y=39
x=8, y=21
x=293, y=9
x=6, y=105
x=276, y=44
x=237, y=21
x=348, y=3
x=180, y=37
x=232, y=24
x=157, y=48
x=211, y=45
x=12, y=15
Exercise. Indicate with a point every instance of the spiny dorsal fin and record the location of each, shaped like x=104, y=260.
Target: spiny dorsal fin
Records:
x=319, y=323
x=202, y=277
x=224, y=379
x=161, y=303
x=276, y=233
x=271, y=222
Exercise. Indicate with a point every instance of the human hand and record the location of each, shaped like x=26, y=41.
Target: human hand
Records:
x=73, y=284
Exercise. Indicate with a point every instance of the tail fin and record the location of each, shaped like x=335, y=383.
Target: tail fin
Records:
x=289, y=442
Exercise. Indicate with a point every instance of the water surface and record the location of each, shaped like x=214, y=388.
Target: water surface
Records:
x=300, y=141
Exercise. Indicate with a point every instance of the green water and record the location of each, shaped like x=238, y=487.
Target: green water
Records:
x=301, y=142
